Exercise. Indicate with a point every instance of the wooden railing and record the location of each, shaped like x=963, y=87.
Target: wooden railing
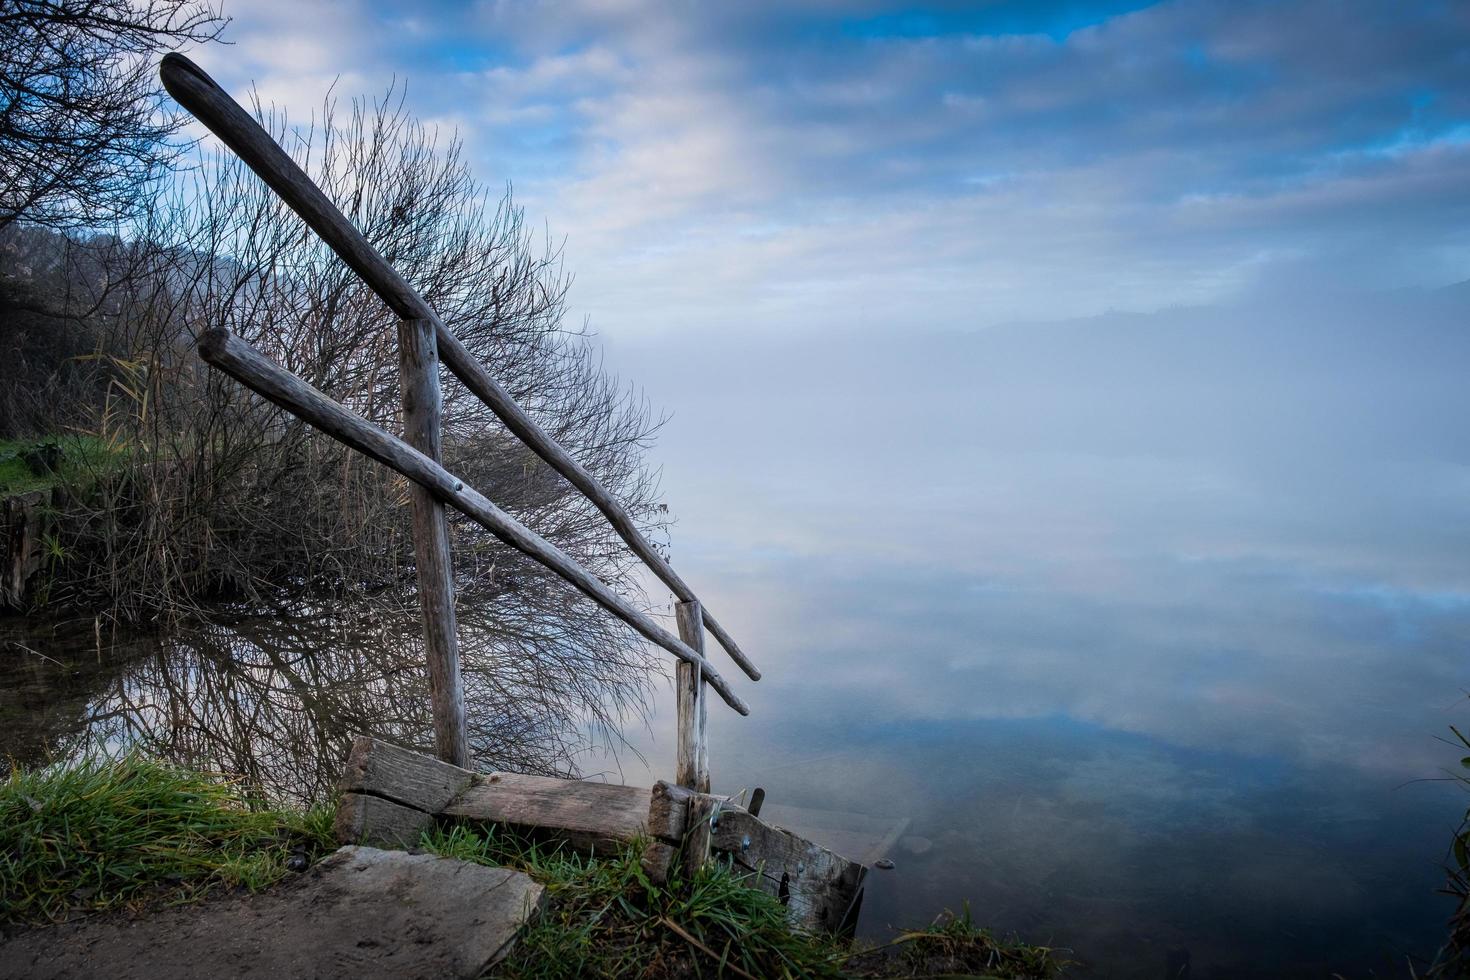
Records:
x=423, y=341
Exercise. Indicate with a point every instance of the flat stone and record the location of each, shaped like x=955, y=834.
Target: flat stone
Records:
x=359, y=913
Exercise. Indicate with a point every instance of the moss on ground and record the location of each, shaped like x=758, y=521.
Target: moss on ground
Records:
x=40, y=464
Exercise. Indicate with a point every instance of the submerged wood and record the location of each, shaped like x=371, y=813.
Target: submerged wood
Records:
x=418, y=383
x=821, y=889
x=192, y=87
x=24, y=520
x=262, y=375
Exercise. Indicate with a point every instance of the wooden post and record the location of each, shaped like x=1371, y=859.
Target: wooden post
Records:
x=192, y=87
x=692, y=768
x=260, y=374
x=418, y=382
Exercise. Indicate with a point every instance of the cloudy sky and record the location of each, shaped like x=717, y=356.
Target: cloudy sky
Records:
x=811, y=166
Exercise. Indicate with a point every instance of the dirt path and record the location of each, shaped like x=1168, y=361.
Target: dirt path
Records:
x=359, y=913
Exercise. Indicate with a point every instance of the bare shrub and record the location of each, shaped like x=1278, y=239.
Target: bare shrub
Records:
x=217, y=494
x=84, y=128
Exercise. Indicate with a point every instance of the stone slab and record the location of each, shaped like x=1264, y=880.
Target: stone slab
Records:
x=359, y=913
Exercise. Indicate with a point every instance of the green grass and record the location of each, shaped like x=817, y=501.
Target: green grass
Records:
x=113, y=833
x=604, y=917
x=82, y=459
x=131, y=833
x=955, y=946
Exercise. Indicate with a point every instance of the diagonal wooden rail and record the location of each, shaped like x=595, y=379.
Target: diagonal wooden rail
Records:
x=259, y=373
x=424, y=340
x=227, y=119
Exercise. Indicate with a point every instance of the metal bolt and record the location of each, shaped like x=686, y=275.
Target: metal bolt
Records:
x=800, y=867
x=745, y=843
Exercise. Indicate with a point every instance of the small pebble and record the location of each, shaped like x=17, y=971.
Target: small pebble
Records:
x=298, y=861
x=883, y=863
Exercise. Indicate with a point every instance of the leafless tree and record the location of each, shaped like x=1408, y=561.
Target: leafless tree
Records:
x=218, y=494
x=277, y=698
x=85, y=130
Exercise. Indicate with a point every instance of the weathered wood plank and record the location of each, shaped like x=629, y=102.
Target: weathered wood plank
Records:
x=691, y=767
x=259, y=373
x=820, y=889
x=704, y=811
x=418, y=382
x=192, y=87
x=668, y=811
x=658, y=861
x=23, y=522
x=376, y=822
x=598, y=815
x=410, y=778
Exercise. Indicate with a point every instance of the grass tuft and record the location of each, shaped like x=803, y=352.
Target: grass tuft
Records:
x=121, y=833
x=954, y=945
x=1453, y=959
x=604, y=917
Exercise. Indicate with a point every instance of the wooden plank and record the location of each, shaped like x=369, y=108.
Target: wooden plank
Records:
x=704, y=811
x=410, y=778
x=192, y=87
x=691, y=768
x=597, y=815
x=820, y=889
x=376, y=822
x=658, y=861
x=418, y=383
x=259, y=373
x=668, y=811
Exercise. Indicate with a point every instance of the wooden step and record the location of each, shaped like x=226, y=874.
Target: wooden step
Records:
x=391, y=795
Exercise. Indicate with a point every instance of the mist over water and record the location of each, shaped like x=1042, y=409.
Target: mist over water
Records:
x=1143, y=628
x=1147, y=622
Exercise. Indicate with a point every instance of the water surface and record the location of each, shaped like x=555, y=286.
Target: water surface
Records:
x=1147, y=625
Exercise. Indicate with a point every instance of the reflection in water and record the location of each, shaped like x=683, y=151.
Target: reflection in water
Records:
x=277, y=699
x=1147, y=627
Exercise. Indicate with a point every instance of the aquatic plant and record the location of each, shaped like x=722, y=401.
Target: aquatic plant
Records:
x=1453, y=959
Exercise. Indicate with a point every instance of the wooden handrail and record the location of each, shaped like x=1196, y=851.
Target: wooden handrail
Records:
x=259, y=373
x=192, y=88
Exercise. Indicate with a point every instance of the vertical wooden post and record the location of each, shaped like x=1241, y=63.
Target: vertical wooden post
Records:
x=692, y=766
x=418, y=381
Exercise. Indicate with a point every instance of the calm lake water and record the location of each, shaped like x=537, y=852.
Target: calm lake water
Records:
x=1147, y=626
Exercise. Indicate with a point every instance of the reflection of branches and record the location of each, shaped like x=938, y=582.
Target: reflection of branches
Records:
x=277, y=699
x=206, y=491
